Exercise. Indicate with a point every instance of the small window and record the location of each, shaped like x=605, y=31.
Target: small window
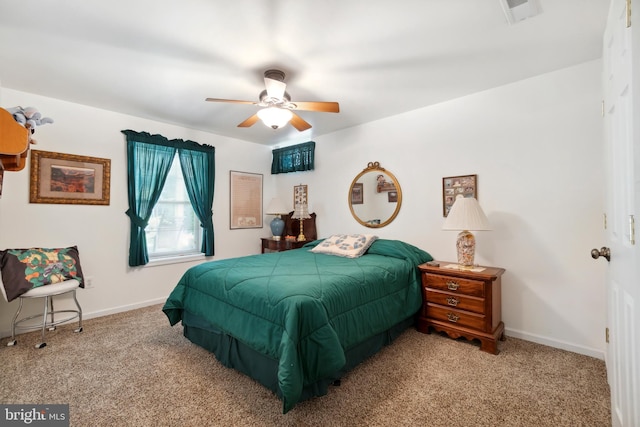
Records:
x=174, y=228
x=293, y=158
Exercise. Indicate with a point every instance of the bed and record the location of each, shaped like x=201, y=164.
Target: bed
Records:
x=297, y=320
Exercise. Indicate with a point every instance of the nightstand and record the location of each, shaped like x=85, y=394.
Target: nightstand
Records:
x=463, y=303
x=271, y=245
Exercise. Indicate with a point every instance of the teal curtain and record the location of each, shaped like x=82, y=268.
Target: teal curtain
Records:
x=149, y=159
x=198, y=170
x=294, y=158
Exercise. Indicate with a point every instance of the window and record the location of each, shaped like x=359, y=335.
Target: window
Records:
x=293, y=158
x=174, y=228
x=160, y=189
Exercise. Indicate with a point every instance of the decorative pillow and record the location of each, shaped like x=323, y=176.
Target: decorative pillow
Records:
x=24, y=269
x=345, y=245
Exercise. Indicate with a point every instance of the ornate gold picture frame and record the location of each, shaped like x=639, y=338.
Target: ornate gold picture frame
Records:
x=69, y=179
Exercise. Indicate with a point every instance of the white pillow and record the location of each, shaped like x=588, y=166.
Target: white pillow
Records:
x=345, y=245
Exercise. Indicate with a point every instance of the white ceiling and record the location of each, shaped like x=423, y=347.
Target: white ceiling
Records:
x=160, y=59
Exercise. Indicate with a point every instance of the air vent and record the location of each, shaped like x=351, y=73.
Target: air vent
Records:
x=519, y=10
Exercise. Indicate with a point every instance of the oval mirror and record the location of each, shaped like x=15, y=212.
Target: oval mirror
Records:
x=375, y=196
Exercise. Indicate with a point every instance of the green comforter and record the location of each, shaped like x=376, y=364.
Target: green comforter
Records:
x=301, y=308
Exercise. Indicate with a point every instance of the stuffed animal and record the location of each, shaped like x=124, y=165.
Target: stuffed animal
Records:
x=28, y=117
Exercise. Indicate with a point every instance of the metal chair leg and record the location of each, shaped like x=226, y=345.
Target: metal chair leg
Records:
x=52, y=324
x=44, y=321
x=79, y=328
x=13, y=325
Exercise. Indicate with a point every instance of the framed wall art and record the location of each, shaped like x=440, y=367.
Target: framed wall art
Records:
x=245, y=194
x=300, y=195
x=69, y=179
x=457, y=186
x=357, y=193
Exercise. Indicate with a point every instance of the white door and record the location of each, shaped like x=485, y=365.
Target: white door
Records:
x=621, y=62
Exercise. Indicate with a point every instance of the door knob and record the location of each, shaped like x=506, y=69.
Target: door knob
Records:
x=603, y=252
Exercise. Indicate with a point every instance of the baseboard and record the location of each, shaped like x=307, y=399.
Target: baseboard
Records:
x=562, y=345
x=4, y=333
x=124, y=308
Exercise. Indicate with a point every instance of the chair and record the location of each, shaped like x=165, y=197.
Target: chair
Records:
x=47, y=292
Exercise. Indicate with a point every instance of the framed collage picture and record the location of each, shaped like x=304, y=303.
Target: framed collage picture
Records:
x=457, y=186
x=300, y=195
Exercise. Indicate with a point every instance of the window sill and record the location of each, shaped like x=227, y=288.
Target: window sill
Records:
x=176, y=259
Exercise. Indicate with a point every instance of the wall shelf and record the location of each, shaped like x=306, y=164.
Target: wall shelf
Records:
x=14, y=142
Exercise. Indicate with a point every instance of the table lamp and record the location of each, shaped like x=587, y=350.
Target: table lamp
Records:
x=277, y=208
x=301, y=212
x=466, y=215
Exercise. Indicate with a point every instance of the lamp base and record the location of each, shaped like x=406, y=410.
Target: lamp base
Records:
x=466, y=246
x=301, y=236
x=277, y=227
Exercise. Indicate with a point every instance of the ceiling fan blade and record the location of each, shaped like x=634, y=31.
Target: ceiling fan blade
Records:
x=275, y=88
x=234, y=101
x=325, y=107
x=299, y=123
x=249, y=122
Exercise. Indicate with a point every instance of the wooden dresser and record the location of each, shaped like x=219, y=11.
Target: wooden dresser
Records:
x=462, y=303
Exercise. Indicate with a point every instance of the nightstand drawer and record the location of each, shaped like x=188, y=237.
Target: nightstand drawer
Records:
x=454, y=284
x=456, y=301
x=455, y=317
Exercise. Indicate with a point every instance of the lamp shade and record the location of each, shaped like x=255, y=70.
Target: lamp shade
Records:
x=275, y=117
x=301, y=211
x=276, y=207
x=466, y=214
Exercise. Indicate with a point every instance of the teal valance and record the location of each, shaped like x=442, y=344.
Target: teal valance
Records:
x=294, y=158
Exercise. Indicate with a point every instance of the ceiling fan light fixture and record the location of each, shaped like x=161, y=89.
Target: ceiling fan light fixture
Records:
x=275, y=117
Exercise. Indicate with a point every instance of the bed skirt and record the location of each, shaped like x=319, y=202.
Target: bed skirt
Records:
x=234, y=354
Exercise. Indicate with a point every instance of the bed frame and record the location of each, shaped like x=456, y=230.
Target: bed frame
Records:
x=234, y=354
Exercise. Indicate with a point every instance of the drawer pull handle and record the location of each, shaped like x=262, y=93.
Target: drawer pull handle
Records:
x=453, y=301
x=452, y=286
x=452, y=317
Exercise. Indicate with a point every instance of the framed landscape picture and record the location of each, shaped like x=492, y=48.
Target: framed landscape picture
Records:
x=69, y=179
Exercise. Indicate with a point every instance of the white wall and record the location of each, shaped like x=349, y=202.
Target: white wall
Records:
x=536, y=147
x=102, y=232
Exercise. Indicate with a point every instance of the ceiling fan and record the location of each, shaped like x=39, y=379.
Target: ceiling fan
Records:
x=277, y=106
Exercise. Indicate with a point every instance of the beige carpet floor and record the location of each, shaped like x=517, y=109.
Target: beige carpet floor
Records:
x=133, y=369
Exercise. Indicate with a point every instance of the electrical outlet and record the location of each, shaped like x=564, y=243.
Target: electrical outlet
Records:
x=88, y=282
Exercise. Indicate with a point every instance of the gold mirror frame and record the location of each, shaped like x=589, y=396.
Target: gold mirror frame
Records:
x=373, y=167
